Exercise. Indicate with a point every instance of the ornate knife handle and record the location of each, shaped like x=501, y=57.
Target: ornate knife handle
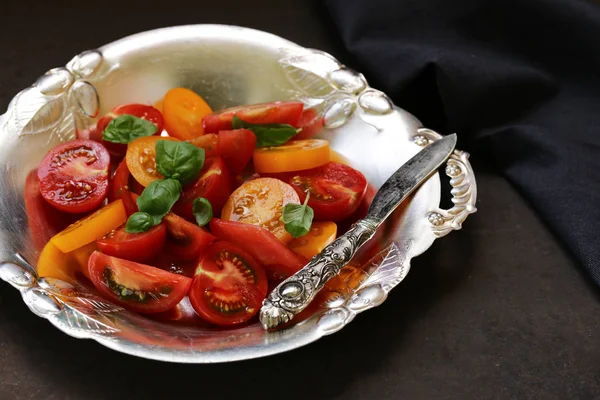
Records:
x=296, y=292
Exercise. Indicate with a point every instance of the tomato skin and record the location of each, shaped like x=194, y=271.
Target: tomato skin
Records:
x=74, y=176
x=336, y=190
x=185, y=240
x=295, y=155
x=278, y=260
x=183, y=111
x=143, y=111
x=234, y=147
x=138, y=247
x=277, y=112
x=233, y=280
x=166, y=289
x=43, y=220
x=213, y=183
x=119, y=188
x=311, y=123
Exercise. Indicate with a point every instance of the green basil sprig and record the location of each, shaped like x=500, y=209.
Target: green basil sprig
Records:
x=202, y=210
x=267, y=134
x=156, y=201
x=297, y=218
x=179, y=160
x=126, y=128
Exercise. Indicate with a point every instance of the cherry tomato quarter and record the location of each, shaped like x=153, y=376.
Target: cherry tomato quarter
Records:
x=277, y=112
x=294, y=155
x=138, y=247
x=185, y=240
x=135, y=286
x=183, y=111
x=278, y=260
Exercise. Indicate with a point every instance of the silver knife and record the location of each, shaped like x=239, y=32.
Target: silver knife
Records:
x=296, y=292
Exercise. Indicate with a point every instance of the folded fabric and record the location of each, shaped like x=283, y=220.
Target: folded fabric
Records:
x=518, y=80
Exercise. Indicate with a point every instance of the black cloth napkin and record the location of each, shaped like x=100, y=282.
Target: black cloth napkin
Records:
x=518, y=80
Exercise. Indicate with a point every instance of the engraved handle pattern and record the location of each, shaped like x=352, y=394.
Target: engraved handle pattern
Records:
x=296, y=292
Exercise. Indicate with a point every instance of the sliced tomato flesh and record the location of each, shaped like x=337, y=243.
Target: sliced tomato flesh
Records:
x=277, y=112
x=74, y=176
x=214, y=184
x=278, y=260
x=185, y=240
x=139, y=247
x=336, y=190
x=229, y=285
x=135, y=286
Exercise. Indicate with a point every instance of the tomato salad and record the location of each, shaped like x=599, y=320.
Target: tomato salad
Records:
x=177, y=200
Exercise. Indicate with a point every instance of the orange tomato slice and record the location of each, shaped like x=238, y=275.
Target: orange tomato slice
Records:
x=56, y=264
x=311, y=244
x=82, y=256
x=183, y=111
x=295, y=155
x=260, y=202
x=91, y=228
x=141, y=159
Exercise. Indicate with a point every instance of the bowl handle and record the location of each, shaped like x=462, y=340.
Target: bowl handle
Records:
x=464, y=188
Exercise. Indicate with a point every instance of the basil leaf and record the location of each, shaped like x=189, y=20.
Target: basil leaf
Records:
x=267, y=134
x=125, y=128
x=139, y=222
x=297, y=218
x=158, y=198
x=202, y=210
x=179, y=160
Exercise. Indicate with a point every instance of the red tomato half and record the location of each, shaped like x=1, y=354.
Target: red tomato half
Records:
x=139, y=247
x=138, y=287
x=214, y=184
x=74, y=175
x=142, y=111
x=229, y=285
x=119, y=188
x=185, y=241
x=279, y=261
x=43, y=220
x=336, y=190
x=277, y=112
x=235, y=147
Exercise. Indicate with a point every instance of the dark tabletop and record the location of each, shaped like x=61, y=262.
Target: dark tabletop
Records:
x=495, y=311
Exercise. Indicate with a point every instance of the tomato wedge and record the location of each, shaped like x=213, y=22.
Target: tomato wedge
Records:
x=310, y=122
x=183, y=111
x=91, y=228
x=277, y=112
x=74, y=176
x=141, y=159
x=311, y=244
x=56, y=264
x=119, y=188
x=229, y=285
x=186, y=241
x=336, y=190
x=142, y=111
x=294, y=155
x=279, y=261
x=260, y=202
x=138, y=287
x=43, y=220
x=139, y=247
x=214, y=184
x=235, y=147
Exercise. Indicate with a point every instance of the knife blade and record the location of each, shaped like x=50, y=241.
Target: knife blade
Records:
x=296, y=292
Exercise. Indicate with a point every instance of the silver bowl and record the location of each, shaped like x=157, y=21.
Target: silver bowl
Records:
x=227, y=66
